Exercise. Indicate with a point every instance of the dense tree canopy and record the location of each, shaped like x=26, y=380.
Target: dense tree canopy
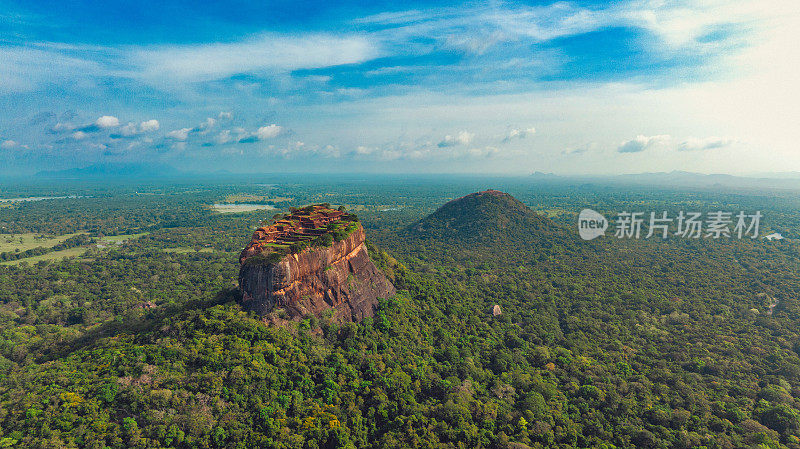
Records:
x=609, y=343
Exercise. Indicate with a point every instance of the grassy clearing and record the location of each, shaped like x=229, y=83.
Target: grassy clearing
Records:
x=237, y=208
x=245, y=198
x=276, y=245
x=120, y=239
x=24, y=242
x=55, y=255
x=30, y=241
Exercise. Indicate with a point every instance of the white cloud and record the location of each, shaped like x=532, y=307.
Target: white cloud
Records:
x=268, y=132
x=582, y=149
x=8, y=144
x=225, y=116
x=641, y=143
x=149, y=126
x=462, y=138
x=301, y=149
x=482, y=152
x=363, y=150
x=223, y=137
x=262, y=133
x=25, y=68
x=683, y=23
x=79, y=135
x=263, y=53
x=107, y=121
x=129, y=130
x=477, y=28
x=707, y=143
x=59, y=127
x=423, y=150
x=207, y=124
x=517, y=133
x=179, y=134
x=329, y=151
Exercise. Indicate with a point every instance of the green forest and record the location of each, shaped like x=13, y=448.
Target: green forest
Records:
x=613, y=343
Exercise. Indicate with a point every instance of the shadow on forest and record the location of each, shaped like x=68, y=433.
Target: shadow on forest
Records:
x=151, y=320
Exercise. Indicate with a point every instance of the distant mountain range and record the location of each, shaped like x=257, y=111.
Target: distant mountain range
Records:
x=785, y=180
x=113, y=170
x=676, y=179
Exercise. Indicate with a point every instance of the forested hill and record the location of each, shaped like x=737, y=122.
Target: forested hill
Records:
x=491, y=218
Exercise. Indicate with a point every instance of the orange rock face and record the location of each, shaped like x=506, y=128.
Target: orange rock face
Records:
x=340, y=278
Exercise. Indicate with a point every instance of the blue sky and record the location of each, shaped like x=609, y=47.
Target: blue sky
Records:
x=478, y=87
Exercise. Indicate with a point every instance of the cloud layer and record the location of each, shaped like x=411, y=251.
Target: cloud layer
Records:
x=462, y=138
x=500, y=86
x=641, y=143
x=708, y=143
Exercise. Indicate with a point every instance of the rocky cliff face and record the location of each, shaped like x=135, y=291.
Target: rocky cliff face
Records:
x=341, y=278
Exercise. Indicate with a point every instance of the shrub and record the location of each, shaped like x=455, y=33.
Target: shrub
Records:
x=265, y=259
